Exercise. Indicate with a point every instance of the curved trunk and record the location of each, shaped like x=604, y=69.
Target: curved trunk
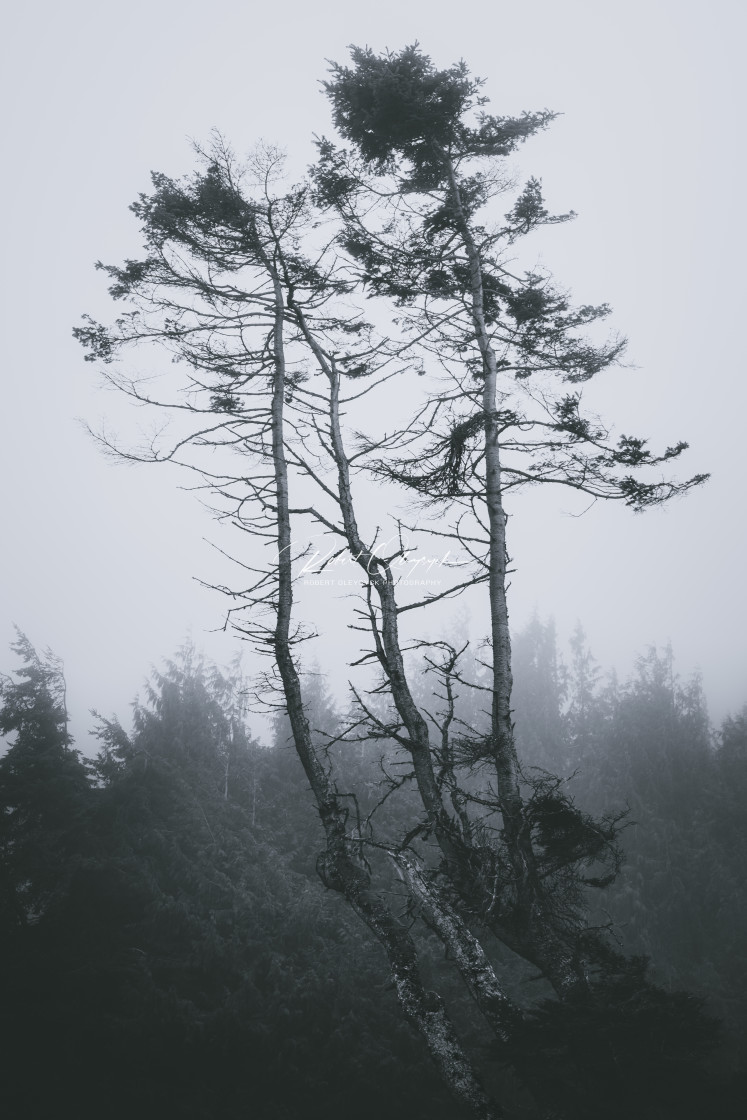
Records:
x=386, y=637
x=337, y=866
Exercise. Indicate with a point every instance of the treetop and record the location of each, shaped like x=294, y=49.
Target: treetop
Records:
x=398, y=103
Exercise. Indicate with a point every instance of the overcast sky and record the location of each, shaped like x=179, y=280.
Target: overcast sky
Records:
x=98, y=561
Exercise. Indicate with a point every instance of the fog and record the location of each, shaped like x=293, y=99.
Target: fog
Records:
x=99, y=561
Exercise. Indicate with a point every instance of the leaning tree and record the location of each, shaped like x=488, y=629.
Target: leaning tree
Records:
x=271, y=300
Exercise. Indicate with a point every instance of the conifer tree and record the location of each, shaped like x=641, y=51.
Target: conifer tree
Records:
x=235, y=284
x=44, y=786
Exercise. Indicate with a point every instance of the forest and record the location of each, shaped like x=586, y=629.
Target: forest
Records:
x=169, y=951
x=495, y=882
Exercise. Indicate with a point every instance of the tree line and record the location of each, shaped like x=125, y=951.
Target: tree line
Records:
x=168, y=949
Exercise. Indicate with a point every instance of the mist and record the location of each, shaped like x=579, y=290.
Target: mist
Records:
x=100, y=562
x=547, y=846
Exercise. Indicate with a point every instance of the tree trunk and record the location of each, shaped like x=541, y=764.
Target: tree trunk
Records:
x=337, y=866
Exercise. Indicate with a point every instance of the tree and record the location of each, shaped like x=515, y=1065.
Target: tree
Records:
x=679, y=898
x=267, y=321
x=538, y=697
x=45, y=822
x=44, y=788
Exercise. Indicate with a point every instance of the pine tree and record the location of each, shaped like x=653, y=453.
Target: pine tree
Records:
x=44, y=787
x=236, y=285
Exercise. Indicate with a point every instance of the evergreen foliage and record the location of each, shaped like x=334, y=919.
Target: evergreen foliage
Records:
x=646, y=747
x=43, y=789
x=167, y=950
x=190, y=962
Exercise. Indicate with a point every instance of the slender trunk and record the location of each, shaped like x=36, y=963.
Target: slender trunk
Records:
x=425, y=1009
x=502, y=728
x=475, y=968
x=284, y=607
x=337, y=866
x=538, y=937
x=390, y=655
x=387, y=639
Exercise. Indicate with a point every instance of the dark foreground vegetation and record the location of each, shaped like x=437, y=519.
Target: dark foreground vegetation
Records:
x=168, y=951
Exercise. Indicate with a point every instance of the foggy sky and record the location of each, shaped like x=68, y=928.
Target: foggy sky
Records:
x=98, y=561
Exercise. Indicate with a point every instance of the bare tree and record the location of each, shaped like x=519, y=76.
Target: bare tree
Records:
x=264, y=318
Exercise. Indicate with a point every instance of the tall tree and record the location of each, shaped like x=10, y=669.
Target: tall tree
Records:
x=236, y=283
x=44, y=786
x=46, y=804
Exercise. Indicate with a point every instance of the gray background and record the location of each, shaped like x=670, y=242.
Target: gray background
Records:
x=97, y=560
